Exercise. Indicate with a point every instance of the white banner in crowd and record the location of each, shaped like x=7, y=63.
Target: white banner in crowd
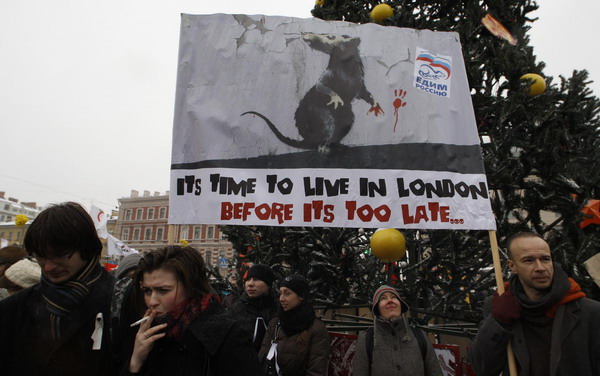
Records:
x=3, y=243
x=100, y=219
x=116, y=247
x=302, y=122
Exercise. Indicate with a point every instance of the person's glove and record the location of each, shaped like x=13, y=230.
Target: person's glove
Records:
x=506, y=308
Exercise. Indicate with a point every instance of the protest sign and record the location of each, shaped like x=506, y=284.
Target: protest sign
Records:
x=302, y=122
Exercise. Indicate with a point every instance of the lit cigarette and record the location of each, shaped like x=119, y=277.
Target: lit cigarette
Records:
x=139, y=321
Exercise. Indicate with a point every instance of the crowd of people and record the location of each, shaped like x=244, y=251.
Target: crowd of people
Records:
x=63, y=314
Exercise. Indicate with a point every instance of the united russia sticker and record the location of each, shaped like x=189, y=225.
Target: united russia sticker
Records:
x=433, y=73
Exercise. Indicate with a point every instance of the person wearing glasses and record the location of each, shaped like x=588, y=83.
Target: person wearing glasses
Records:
x=258, y=305
x=60, y=326
x=185, y=329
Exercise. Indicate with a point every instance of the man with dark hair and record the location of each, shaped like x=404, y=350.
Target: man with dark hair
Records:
x=553, y=328
x=257, y=306
x=60, y=326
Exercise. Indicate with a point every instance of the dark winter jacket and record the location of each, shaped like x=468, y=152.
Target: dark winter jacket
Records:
x=393, y=354
x=574, y=347
x=302, y=354
x=245, y=311
x=26, y=347
x=213, y=345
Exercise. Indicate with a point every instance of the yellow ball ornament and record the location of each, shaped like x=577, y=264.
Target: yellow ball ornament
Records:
x=183, y=242
x=538, y=86
x=388, y=245
x=381, y=12
x=21, y=220
x=319, y=3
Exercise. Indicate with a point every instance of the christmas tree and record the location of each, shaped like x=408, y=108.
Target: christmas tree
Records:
x=540, y=154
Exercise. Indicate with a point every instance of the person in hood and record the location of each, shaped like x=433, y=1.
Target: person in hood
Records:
x=296, y=342
x=187, y=331
x=257, y=306
x=553, y=328
x=393, y=348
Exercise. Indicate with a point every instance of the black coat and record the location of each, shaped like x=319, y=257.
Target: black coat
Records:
x=213, y=345
x=245, y=311
x=27, y=349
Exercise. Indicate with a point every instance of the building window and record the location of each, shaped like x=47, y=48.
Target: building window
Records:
x=162, y=213
x=210, y=232
x=150, y=213
x=208, y=258
x=136, y=234
x=138, y=214
x=1, y=218
x=159, y=234
x=2, y=235
x=197, y=232
x=10, y=236
x=148, y=234
x=184, y=232
x=125, y=234
x=128, y=215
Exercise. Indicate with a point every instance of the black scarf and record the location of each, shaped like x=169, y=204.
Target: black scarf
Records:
x=537, y=326
x=559, y=288
x=297, y=319
x=62, y=299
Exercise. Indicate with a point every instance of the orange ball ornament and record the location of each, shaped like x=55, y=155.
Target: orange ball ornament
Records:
x=388, y=245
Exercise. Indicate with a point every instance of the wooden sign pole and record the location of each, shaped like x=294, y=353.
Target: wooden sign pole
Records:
x=512, y=365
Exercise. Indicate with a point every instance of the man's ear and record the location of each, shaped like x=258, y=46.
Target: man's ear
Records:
x=512, y=266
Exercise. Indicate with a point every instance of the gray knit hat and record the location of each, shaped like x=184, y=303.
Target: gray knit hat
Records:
x=380, y=291
x=127, y=263
x=24, y=273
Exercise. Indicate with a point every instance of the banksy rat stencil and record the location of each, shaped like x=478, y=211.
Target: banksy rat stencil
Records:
x=324, y=115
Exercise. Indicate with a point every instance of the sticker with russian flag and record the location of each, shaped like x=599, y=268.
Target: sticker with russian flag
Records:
x=433, y=72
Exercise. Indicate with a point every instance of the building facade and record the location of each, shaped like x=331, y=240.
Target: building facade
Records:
x=11, y=207
x=142, y=224
x=10, y=233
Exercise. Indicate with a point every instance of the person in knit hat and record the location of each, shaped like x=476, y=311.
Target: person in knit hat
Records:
x=128, y=265
x=21, y=275
x=8, y=256
x=395, y=348
x=297, y=342
x=554, y=329
x=257, y=305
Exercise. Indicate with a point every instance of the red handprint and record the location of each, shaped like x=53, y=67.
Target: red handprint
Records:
x=398, y=102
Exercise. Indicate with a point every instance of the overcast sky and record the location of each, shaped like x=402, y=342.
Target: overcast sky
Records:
x=87, y=87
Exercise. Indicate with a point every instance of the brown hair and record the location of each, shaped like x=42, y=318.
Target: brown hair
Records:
x=518, y=235
x=185, y=262
x=63, y=228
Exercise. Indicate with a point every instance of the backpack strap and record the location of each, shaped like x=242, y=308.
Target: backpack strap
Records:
x=370, y=340
x=416, y=332
x=421, y=341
